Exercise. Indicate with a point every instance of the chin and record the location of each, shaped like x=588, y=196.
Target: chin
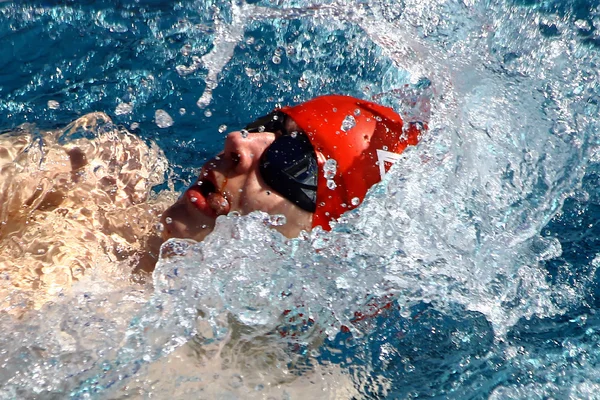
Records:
x=178, y=230
x=178, y=223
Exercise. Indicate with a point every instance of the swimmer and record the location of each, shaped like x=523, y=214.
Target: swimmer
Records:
x=70, y=207
x=310, y=163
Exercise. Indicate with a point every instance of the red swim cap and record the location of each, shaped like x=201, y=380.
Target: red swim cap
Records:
x=362, y=138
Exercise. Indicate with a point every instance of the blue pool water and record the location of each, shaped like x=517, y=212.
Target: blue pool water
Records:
x=485, y=235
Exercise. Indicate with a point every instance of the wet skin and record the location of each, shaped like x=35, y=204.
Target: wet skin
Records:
x=231, y=182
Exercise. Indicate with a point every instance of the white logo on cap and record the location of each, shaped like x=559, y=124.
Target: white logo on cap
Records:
x=384, y=157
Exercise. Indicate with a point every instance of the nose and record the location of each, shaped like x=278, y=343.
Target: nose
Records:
x=245, y=150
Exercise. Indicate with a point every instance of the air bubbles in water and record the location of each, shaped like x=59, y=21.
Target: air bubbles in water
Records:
x=355, y=201
x=162, y=119
x=123, y=109
x=184, y=70
x=53, y=104
x=348, y=123
x=205, y=99
x=244, y=133
x=584, y=25
x=222, y=128
x=186, y=49
x=331, y=184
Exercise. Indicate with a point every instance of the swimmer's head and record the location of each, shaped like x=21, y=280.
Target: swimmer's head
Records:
x=311, y=162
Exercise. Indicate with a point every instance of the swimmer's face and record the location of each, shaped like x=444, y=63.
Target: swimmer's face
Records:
x=232, y=182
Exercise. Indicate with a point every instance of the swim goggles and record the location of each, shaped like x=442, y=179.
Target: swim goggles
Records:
x=289, y=164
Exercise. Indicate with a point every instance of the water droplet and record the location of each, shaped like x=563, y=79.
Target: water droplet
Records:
x=330, y=168
x=182, y=111
x=162, y=119
x=53, y=104
x=236, y=381
x=385, y=148
x=234, y=214
x=244, y=133
x=268, y=192
x=277, y=220
x=357, y=112
x=294, y=134
x=222, y=128
x=208, y=113
x=261, y=128
x=302, y=83
x=193, y=199
x=169, y=220
x=275, y=117
x=134, y=126
x=123, y=109
x=276, y=59
x=355, y=201
x=348, y=123
x=331, y=184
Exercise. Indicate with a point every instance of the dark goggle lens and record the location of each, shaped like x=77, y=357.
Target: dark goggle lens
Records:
x=289, y=164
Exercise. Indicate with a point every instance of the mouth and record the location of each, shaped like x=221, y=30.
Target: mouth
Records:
x=205, y=196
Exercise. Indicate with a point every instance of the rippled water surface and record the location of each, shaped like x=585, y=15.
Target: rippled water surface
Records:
x=470, y=272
